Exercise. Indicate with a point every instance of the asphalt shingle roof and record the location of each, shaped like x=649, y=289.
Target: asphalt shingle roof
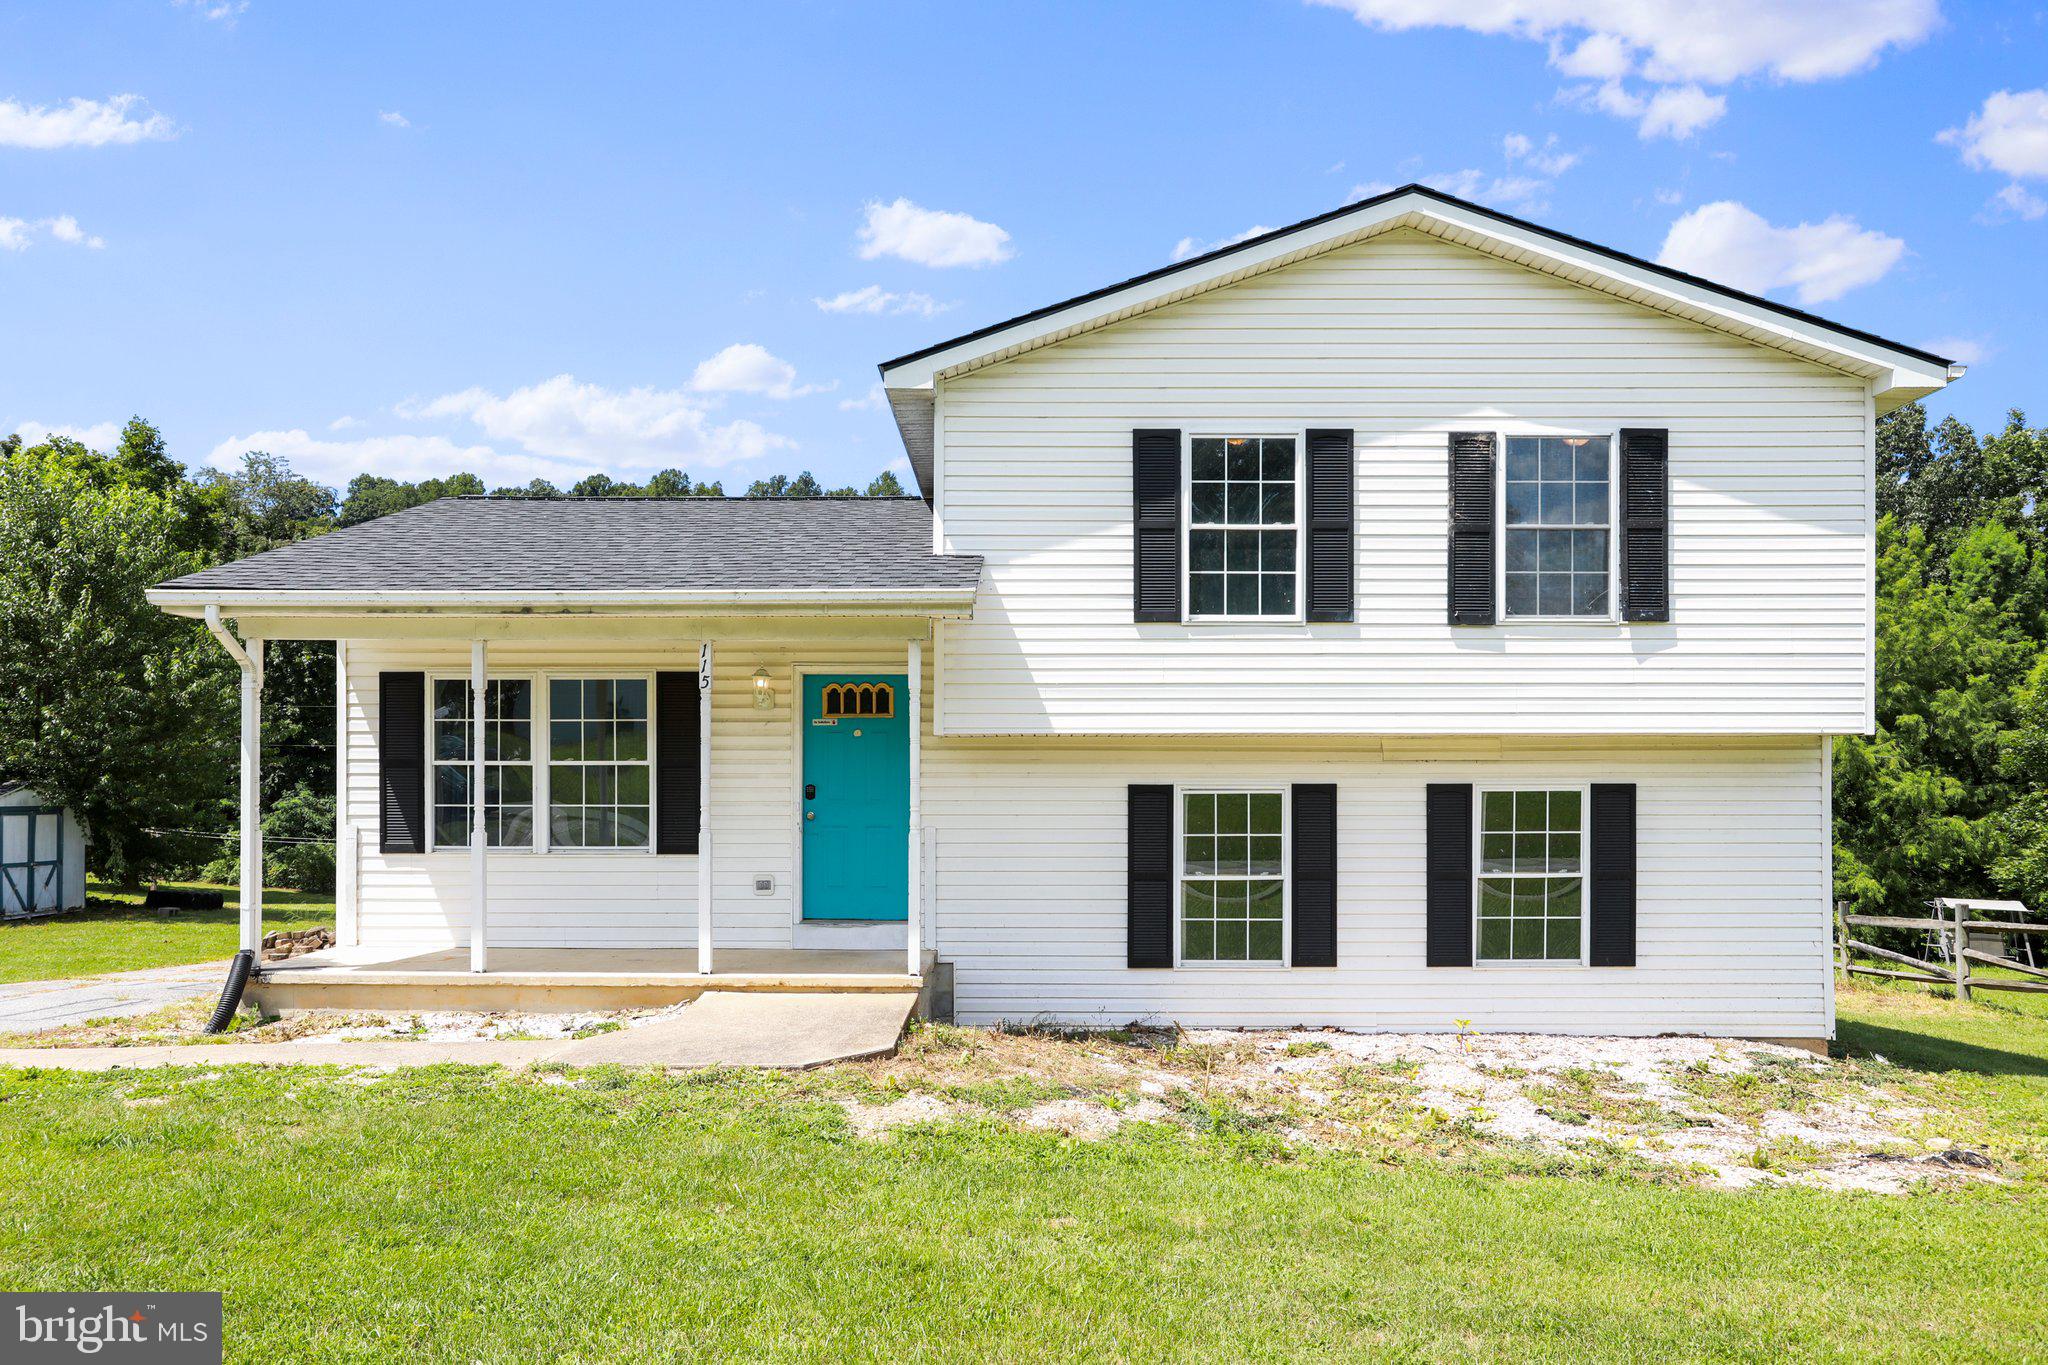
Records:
x=551, y=545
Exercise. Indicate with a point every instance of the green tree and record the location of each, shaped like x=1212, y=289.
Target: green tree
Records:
x=884, y=485
x=370, y=496
x=265, y=504
x=107, y=705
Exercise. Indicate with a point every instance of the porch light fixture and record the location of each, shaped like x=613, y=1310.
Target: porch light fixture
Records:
x=764, y=693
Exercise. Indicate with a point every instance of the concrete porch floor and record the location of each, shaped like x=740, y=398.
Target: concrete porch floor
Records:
x=565, y=979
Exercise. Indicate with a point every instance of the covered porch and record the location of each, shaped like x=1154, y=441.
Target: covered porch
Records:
x=567, y=777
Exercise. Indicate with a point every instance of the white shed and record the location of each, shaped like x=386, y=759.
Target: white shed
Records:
x=42, y=855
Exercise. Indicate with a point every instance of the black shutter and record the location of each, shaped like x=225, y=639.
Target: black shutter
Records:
x=402, y=762
x=678, y=734
x=1612, y=860
x=1448, y=845
x=1471, y=565
x=1155, y=525
x=1645, y=524
x=1315, y=874
x=1149, y=941
x=1331, y=489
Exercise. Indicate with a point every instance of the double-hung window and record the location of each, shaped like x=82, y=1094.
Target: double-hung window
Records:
x=1243, y=536
x=1557, y=521
x=508, y=762
x=1233, y=876
x=1531, y=883
x=599, y=778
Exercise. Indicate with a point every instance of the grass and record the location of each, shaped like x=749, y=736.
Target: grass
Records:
x=467, y=1214
x=114, y=934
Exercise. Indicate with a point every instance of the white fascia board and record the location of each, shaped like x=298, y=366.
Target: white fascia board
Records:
x=814, y=601
x=1867, y=358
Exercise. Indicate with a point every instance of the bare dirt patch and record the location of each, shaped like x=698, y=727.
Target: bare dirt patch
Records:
x=1727, y=1113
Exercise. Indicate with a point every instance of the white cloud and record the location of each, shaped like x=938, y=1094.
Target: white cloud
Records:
x=65, y=229
x=1679, y=111
x=1191, y=246
x=2018, y=201
x=81, y=123
x=1367, y=189
x=930, y=237
x=1733, y=245
x=875, y=299
x=1546, y=158
x=98, y=436
x=1676, y=111
x=1669, y=198
x=876, y=397
x=19, y=234
x=1963, y=350
x=392, y=118
x=222, y=12
x=573, y=427
x=344, y=423
x=746, y=368
x=1501, y=191
x=1677, y=45
x=1673, y=41
x=2008, y=135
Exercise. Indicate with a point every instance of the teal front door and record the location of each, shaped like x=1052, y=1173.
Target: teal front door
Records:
x=856, y=796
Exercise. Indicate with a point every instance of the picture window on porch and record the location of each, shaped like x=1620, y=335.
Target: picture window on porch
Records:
x=1233, y=885
x=508, y=763
x=598, y=771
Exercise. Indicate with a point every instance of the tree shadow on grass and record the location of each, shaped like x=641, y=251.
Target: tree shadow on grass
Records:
x=1926, y=1052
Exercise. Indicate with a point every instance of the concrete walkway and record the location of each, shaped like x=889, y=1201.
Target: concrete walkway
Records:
x=34, y=1006
x=722, y=1028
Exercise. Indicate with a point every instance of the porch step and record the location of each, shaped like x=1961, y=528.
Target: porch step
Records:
x=789, y=1030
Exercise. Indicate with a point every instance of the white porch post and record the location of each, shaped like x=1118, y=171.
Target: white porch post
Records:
x=346, y=861
x=914, y=688
x=479, y=844
x=704, y=662
x=252, y=797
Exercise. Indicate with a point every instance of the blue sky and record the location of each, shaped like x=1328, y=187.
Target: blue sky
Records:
x=544, y=239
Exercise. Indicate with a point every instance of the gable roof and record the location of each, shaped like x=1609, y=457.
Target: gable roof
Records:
x=1901, y=373
x=684, y=551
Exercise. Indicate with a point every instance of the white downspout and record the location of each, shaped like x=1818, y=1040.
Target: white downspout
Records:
x=251, y=661
x=479, y=840
x=704, y=667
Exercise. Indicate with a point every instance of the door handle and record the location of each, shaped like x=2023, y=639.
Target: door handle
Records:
x=810, y=791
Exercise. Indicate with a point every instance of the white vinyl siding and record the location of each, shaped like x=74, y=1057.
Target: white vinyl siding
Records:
x=1404, y=340
x=1732, y=910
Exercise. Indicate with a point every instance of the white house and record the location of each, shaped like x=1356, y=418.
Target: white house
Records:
x=42, y=855
x=1408, y=616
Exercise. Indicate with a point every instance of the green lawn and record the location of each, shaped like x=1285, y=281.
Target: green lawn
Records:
x=118, y=936
x=474, y=1215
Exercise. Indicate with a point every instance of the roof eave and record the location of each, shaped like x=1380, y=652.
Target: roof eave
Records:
x=949, y=602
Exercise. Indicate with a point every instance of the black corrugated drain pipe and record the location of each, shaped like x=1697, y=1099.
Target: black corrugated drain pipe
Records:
x=231, y=994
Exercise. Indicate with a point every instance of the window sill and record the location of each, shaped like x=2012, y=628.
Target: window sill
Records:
x=1537, y=963
x=1276, y=964
x=1559, y=621
x=1243, y=621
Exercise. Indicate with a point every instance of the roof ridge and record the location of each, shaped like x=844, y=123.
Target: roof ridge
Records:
x=1427, y=192
x=668, y=497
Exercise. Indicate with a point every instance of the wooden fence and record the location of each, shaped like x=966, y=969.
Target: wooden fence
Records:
x=1951, y=927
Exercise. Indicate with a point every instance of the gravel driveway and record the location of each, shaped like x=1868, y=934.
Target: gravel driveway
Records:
x=32, y=1006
